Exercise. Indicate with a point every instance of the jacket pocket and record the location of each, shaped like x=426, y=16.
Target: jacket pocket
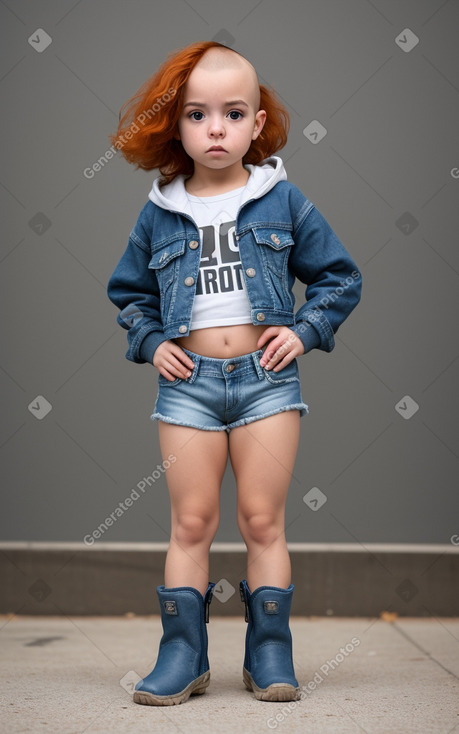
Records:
x=165, y=262
x=275, y=247
x=164, y=259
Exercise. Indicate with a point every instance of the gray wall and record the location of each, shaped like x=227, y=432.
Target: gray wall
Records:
x=386, y=176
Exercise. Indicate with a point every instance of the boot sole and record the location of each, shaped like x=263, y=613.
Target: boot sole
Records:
x=196, y=687
x=274, y=692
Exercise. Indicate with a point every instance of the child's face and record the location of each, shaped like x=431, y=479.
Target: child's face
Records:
x=222, y=114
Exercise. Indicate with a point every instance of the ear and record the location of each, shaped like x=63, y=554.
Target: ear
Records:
x=260, y=119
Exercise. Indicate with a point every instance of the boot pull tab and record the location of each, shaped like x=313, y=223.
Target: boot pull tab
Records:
x=241, y=590
x=207, y=601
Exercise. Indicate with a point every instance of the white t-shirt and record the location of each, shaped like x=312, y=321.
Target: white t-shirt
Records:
x=221, y=296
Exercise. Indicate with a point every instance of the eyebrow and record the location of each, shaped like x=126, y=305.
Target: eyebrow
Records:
x=227, y=104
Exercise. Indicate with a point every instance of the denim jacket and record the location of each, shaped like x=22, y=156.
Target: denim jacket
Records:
x=281, y=236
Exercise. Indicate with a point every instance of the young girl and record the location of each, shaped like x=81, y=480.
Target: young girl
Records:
x=204, y=289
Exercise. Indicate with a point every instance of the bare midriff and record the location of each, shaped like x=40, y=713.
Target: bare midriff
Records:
x=223, y=342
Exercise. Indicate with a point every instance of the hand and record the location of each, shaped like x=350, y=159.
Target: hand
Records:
x=172, y=361
x=284, y=347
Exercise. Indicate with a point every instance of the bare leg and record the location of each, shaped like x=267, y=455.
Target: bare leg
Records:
x=194, y=482
x=263, y=456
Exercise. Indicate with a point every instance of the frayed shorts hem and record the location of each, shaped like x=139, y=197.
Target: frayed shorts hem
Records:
x=302, y=407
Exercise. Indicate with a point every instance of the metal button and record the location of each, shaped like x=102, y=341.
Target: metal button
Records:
x=163, y=256
x=275, y=238
x=182, y=329
x=194, y=244
x=189, y=280
x=250, y=272
x=230, y=367
x=260, y=317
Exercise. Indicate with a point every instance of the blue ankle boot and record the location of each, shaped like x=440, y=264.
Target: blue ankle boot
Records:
x=182, y=665
x=268, y=665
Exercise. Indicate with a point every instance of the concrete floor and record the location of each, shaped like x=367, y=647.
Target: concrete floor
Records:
x=71, y=675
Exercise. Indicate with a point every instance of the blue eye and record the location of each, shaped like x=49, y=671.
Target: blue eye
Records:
x=196, y=113
x=235, y=112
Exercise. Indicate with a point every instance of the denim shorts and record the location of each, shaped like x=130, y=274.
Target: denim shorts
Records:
x=221, y=394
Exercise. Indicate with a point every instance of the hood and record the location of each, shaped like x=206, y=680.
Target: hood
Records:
x=263, y=178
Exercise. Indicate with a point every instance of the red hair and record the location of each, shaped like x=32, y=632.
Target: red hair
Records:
x=148, y=121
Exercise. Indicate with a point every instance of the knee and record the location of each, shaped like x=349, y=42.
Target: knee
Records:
x=191, y=529
x=261, y=528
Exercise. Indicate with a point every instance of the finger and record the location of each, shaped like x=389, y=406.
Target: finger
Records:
x=271, y=355
x=268, y=356
x=268, y=334
x=176, y=368
x=166, y=374
x=172, y=374
x=296, y=342
x=176, y=357
x=183, y=368
x=284, y=347
x=181, y=355
x=284, y=362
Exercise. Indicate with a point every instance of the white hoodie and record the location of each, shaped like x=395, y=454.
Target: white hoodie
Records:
x=262, y=179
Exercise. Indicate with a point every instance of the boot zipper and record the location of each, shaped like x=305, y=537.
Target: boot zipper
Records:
x=243, y=598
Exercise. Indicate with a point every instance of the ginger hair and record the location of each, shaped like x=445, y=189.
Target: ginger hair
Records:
x=148, y=121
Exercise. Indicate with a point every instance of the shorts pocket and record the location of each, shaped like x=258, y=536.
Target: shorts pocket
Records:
x=164, y=382
x=287, y=374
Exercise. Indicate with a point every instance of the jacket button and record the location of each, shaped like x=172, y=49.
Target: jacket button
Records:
x=260, y=316
x=182, y=329
x=194, y=244
x=189, y=280
x=250, y=272
x=275, y=238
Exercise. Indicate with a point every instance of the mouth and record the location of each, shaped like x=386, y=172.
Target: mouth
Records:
x=217, y=148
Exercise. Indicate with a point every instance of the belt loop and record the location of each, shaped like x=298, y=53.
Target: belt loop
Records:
x=256, y=356
x=196, y=359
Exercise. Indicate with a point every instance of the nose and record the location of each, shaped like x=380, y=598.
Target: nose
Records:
x=216, y=127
